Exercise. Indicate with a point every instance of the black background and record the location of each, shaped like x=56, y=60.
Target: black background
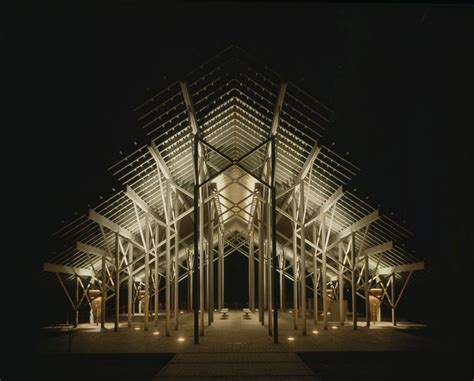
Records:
x=398, y=78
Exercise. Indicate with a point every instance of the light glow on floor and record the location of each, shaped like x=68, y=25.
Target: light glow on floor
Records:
x=180, y=339
x=291, y=339
x=315, y=332
x=137, y=328
x=156, y=333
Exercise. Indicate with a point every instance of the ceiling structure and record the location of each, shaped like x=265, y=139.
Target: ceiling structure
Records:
x=236, y=104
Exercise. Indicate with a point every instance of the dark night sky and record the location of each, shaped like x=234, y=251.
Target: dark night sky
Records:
x=393, y=75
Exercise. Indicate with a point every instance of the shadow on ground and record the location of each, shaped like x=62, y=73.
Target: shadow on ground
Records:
x=116, y=366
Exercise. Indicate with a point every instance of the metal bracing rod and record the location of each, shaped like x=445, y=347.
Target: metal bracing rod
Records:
x=147, y=274
x=117, y=281
x=302, y=257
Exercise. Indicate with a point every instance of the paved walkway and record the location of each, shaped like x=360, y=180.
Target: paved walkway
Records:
x=235, y=346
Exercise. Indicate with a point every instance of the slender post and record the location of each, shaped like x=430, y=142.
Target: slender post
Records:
x=295, y=270
x=282, y=280
x=302, y=257
x=196, y=242
x=269, y=265
x=104, y=294
x=315, y=276
x=168, y=261
x=76, y=309
x=220, y=245
x=251, y=271
x=366, y=284
x=157, y=273
x=201, y=262
x=147, y=272
x=210, y=264
x=190, y=283
x=341, y=284
x=324, y=293
x=274, y=290
x=130, y=284
x=392, y=288
x=261, y=265
x=176, y=269
x=117, y=282
x=353, y=281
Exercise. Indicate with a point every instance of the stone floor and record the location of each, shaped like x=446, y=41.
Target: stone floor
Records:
x=236, y=348
x=236, y=334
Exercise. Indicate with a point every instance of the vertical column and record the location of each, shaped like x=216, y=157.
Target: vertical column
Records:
x=76, y=302
x=354, y=281
x=302, y=258
x=392, y=288
x=274, y=290
x=220, y=245
x=196, y=241
x=324, y=273
x=201, y=262
x=261, y=265
x=104, y=294
x=130, y=284
x=295, y=270
x=282, y=280
x=190, y=283
x=341, y=283
x=157, y=273
x=117, y=282
x=251, y=271
x=176, y=266
x=366, y=286
x=168, y=261
x=146, y=301
x=210, y=264
x=315, y=276
x=269, y=265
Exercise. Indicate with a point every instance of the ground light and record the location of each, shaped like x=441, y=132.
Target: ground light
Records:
x=156, y=333
x=180, y=339
x=334, y=327
x=315, y=332
x=137, y=328
x=291, y=339
x=182, y=312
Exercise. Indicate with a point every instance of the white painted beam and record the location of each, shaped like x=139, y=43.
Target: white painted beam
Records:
x=278, y=107
x=189, y=107
x=402, y=268
x=92, y=249
x=54, y=268
x=327, y=205
x=132, y=195
x=378, y=249
x=356, y=226
x=104, y=221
